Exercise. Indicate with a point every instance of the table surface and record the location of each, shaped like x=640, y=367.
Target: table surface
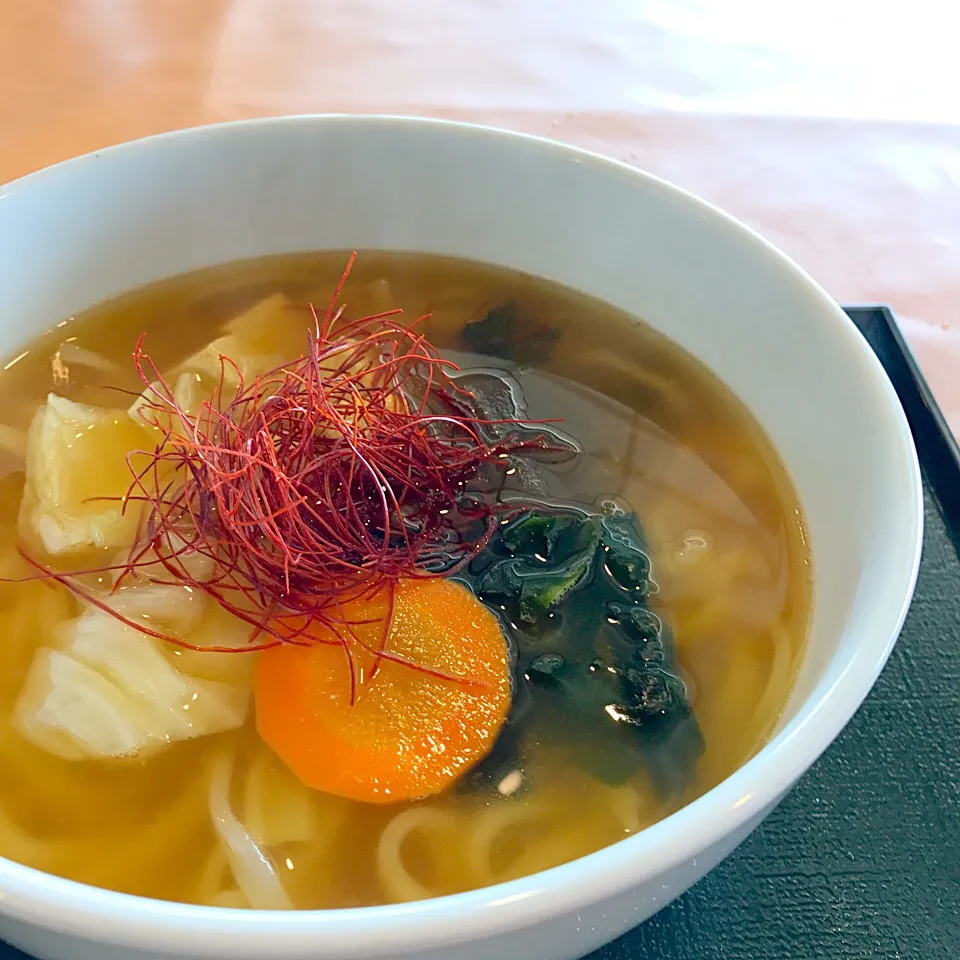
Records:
x=831, y=126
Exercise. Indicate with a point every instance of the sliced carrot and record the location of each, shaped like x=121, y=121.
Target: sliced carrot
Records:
x=408, y=733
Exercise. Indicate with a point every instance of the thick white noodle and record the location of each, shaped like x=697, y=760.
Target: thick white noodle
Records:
x=398, y=882
x=491, y=824
x=254, y=873
x=775, y=690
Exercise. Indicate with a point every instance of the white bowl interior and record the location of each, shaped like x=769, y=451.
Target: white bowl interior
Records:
x=74, y=235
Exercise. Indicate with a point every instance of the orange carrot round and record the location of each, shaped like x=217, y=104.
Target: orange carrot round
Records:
x=408, y=733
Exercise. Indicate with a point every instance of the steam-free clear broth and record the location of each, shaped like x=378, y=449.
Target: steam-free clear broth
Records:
x=657, y=430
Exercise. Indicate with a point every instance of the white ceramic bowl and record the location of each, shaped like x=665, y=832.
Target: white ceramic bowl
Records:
x=93, y=227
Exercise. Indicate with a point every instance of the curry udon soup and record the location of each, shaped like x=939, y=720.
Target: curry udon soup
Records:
x=309, y=608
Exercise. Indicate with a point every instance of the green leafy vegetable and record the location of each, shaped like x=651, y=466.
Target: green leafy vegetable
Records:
x=572, y=588
x=511, y=334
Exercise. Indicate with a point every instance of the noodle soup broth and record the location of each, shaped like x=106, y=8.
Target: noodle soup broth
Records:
x=219, y=810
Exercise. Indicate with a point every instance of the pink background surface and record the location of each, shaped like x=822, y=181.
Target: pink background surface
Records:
x=831, y=126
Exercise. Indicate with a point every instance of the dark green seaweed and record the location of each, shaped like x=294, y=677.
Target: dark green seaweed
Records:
x=511, y=334
x=572, y=588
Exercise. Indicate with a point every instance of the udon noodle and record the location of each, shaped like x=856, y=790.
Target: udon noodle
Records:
x=222, y=819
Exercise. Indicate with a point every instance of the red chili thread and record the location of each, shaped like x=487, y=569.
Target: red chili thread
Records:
x=328, y=477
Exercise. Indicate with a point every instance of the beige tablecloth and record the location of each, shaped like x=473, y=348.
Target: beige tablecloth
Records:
x=832, y=126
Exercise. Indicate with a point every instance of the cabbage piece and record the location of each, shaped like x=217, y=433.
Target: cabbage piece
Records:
x=113, y=691
x=76, y=457
x=273, y=325
x=70, y=710
x=184, y=612
x=208, y=365
x=279, y=810
x=187, y=393
x=196, y=562
x=218, y=628
x=171, y=609
x=262, y=338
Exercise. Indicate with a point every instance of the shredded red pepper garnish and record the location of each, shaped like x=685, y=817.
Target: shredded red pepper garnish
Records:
x=317, y=481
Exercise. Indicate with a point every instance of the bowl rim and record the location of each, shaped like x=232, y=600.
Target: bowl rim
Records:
x=76, y=909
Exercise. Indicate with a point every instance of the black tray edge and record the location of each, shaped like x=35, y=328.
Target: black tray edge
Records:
x=937, y=448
